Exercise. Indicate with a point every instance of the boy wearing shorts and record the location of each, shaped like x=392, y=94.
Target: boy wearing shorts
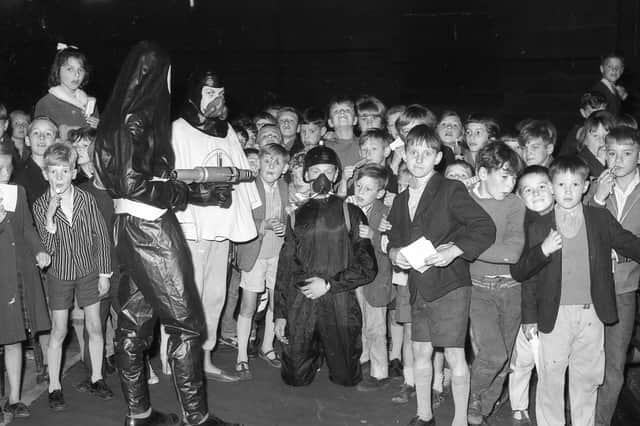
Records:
x=443, y=212
x=73, y=231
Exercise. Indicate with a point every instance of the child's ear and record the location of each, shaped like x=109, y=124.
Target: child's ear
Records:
x=601, y=69
x=587, y=183
x=323, y=130
x=482, y=173
x=44, y=173
x=74, y=173
x=330, y=123
x=438, y=157
x=298, y=128
x=355, y=119
x=286, y=168
x=381, y=193
x=27, y=141
x=387, y=152
x=550, y=148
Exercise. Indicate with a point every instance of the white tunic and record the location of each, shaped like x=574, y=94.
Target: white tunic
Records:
x=194, y=148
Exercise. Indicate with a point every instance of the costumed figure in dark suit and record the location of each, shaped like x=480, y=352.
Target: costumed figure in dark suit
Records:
x=322, y=262
x=133, y=158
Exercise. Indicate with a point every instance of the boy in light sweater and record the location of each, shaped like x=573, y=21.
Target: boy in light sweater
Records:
x=495, y=295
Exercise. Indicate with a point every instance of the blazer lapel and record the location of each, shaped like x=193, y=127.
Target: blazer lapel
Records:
x=424, y=205
x=633, y=198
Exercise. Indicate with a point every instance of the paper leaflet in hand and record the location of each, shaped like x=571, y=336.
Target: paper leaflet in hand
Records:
x=417, y=252
x=9, y=195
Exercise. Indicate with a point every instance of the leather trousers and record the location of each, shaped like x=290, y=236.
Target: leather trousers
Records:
x=157, y=283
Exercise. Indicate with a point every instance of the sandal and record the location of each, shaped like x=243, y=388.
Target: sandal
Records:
x=274, y=362
x=18, y=410
x=243, y=371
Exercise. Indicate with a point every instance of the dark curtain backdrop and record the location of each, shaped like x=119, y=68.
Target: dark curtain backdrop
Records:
x=514, y=59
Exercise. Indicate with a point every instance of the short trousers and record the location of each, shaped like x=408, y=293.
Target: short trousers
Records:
x=61, y=292
x=263, y=271
x=403, y=304
x=443, y=322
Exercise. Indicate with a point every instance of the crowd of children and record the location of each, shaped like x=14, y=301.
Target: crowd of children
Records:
x=431, y=256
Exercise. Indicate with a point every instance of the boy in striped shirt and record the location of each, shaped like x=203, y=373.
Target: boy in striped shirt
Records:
x=75, y=235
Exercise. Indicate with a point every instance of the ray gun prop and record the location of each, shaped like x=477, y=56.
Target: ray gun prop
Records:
x=212, y=186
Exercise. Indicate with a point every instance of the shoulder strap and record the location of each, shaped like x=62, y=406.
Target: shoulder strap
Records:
x=347, y=218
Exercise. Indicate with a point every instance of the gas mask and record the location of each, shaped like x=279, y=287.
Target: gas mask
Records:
x=322, y=184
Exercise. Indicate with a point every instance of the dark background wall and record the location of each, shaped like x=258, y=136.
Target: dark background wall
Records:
x=510, y=58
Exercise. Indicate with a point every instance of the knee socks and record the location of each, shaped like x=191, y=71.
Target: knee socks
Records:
x=460, y=390
x=423, y=378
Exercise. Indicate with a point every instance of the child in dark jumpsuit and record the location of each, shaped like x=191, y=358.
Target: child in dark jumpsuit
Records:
x=322, y=262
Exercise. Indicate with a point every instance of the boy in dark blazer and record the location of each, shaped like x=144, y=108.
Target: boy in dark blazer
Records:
x=443, y=212
x=572, y=297
x=611, y=68
x=369, y=189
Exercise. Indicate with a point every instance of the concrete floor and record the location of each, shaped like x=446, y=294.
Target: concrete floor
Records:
x=264, y=401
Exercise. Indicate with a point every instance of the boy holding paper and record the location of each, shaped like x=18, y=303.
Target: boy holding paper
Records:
x=441, y=211
x=495, y=295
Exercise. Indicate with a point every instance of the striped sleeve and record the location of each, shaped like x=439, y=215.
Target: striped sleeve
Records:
x=100, y=237
x=49, y=240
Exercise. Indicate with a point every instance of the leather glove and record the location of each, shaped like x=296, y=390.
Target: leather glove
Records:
x=210, y=194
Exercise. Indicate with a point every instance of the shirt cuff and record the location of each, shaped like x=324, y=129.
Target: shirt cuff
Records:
x=105, y=275
x=51, y=230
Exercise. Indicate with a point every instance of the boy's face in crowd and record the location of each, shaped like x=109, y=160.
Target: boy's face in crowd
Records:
x=622, y=158
x=374, y=151
x=595, y=139
x=288, y=124
x=476, y=136
x=497, y=182
x=536, y=152
x=298, y=179
x=421, y=159
x=450, y=129
x=457, y=172
x=369, y=120
x=311, y=133
x=391, y=124
x=272, y=167
x=84, y=148
x=59, y=177
x=43, y=133
x=19, y=125
x=72, y=74
x=342, y=115
x=6, y=168
x=536, y=191
x=269, y=134
x=316, y=170
x=367, y=190
x=612, y=70
x=254, y=162
x=568, y=189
